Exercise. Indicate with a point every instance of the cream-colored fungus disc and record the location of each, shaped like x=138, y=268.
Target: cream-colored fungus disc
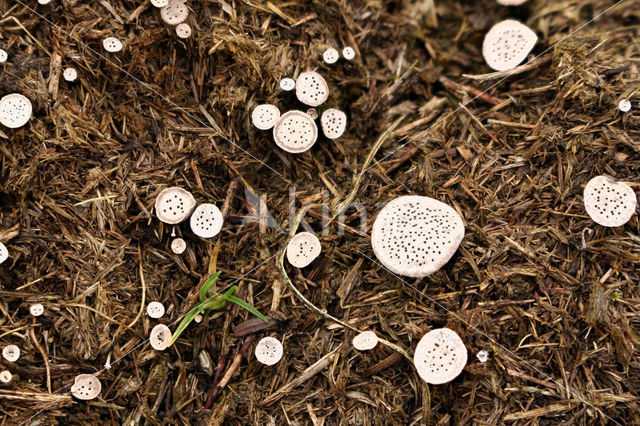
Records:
x=36, y=309
x=160, y=337
x=609, y=202
x=415, y=236
x=86, y=387
x=174, y=205
x=6, y=376
x=330, y=56
x=15, y=110
x=348, y=53
x=507, y=44
x=70, y=74
x=206, y=220
x=3, y=56
x=44, y=1
x=155, y=310
x=624, y=105
x=295, y=132
x=287, y=84
x=269, y=351
x=159, y=3
x=303, y=249
x=183, y=30
x=365, y=341
x=511, y=2
x=311, y=89
x=11, y=353
x=265, y=116
x=178, y=245
x=440, y=356
x=112, y=44
x=4, y=253
x=483, y=356
x=334, y=123
x=174, y=13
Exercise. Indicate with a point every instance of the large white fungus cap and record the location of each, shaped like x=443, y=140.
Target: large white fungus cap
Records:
x=36, y=309
x=174, y=205
x=178, y=246
x=4, y=253
x=3, y=56
x=265, y=116
x=440, y=356
x=206, y=220
x=507, y=44
x=269, y=351
x=295, y=132
x=330, y=56
x=609, y=202
x=303, y=249
x=365, y=341
x=112, y=44
x=15, y=110
x=511, y=2
x=6, y=376
x=160, y=337
x=11, y=353
x=86, y=387
x=287, y=84
x=311, y=89
x=155, y=310
x=333, y=122
x=174, y=13
x=415, y=236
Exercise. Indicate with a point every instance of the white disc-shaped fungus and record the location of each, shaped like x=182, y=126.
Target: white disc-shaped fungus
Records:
x=440, y=356
x=11, y=353
x=183, y=30
x=112, y=44
x=295, y=132
x=269, y=351
x=333, y=122
x=507, y=44
x=160, y=337
x=155, y=310
x=36, y=309
x=348, y=53
x=287, y=84
x=70, y=74
x=178, y=246
x=174, y=205
x=303, y=249
x=624, y=105
x=198, y=318
x=415, y=236
x=365, y=341
x=206, y=220
x=15, y=110
x=609, y=202
x=4, y=253
x=330, y=56
x=311, y=89
x=159, y=3
x=6, y=376
x=43, y=2
x=512, y=2
x=483, y=356
x=3, y=56
x=174, y=13
x=86, y=387
x=265, y=116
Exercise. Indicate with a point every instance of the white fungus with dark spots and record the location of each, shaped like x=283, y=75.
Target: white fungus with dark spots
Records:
x=311, y=89
x=155, y=310
x=415, y=236
x=265, y=116
x=178, y=245
x=3, y=56
x=609, y=202
x=160, y=337
x=333, y=122
x=6, y=376
x=4, y=253
x=303, y=249
x=36, y=309
x=15, y=110
x=330, y=56
x=287, y=84
x=269, y=351
x=11, y=353
x=70, y=74
x=206, y=220
x=624, y=105
x=295, y=132
x=440, y=356
x=174, y=13
x=365, y=341
x=112, y=44
x=348, y=53
x=174, y=205
x=183, y=30
x=159, y=3
x=86, y=387
x=507, y=44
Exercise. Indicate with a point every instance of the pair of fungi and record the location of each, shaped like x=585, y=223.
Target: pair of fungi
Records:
x=331, y=55
x=174, y=12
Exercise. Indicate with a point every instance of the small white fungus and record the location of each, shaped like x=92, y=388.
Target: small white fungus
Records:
x=155, y=310
x=43, y=2
x=311, y=89
x=159, y=3
x=313, y=113
x=333, y=122
x=609, y=202
x=511, y=2
x=174, y=13
x=287, y=84
x=348, y=53
x=4, y=253
x=295, y=132
x=160, y=337
x=269, y=351
x=112, y=44
x=183, y=30
x=178, y=245
x=174, y=205
x=70, y=74
x=198, y=318
x=11, y=353
x=303, y=249
x=507, y=44
x=483, y=356
x=330, y=56
x=36, y=309
x=265, y=116
x=3, y=56
x=624, y=105
x=86, y=387
x=206, y=220
x=365, y=341
x=15, y=110
x=6, y=376
x=440, y=356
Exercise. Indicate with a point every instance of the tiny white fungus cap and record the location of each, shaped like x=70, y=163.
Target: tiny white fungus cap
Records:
x=415, y=236
x=159, y=3
x=174, y=13
x=609, y=202
x=440, y=356
x=86, y=387
x=311, y=89
x=511, y=2
x=36, y=309
x=15, y=110
x=198, y=318
x=303, y=249
x=155, y=310
x=183, y=30
x=178, y=246
x=11, y=353
x=269, y=351
x=206, y=221
x=174, y=205
x=330, y=56
x=70, y=74
x=333, y=122
x=483, y=356
x=507, y=44
x=348, y=53
x=3, y=56
x=112, y=44
x=44, y=1
x=624, y=105
x=313, y=113
x=160, y=337
x=265, y=116
x=287, y=84
x=295, y=132
x=6, y=376
x=365, y=341
x=4, y=253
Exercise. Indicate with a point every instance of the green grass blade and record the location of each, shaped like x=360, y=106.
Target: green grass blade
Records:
x=185, y=323
x=229, y=297
x=207, y=285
